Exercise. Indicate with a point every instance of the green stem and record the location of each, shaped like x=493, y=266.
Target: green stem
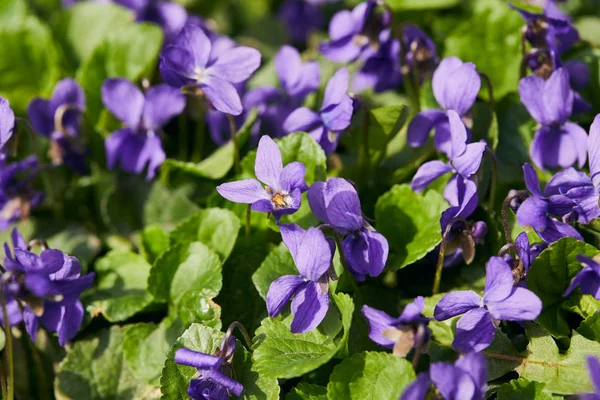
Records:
x=8, y=350
x=241, y=328
x=494, y=180
x=440, y=264
x=200, y=138
x=236, y=149
x=248, y=221
x=3, y=380
x=183, y=136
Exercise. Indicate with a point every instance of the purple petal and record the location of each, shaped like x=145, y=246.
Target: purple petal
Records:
x=124, y=100
x=456, y=303
x=222, y=95
x=338, y=117
x=587, y=199
x=301, y=119
x=67, y=91
x=150, y=153
x=342, y=24
x=342, y=51
x=442, y=75
x=309, y=307
x=162, y=103
x=52, y=316
x=310, y=80
x=521, y=305
x=413, y=310
x=171, y=17
x=292, y=177
x=552, y=148
x=196, y=359
x=177, y=66
x=72, y=317
x=555, y=230
x=366, y=253
x=475, y=331
x=579, y=74
x=476, y=365
x=418, y=389
x=559, y=205
x=342, y=204
x=288, y=66
x=7, y=122
x=293, y=203
x=246, y=191
x=531, y=180
x=40, y=116
x=218, y=378
x=281, y=291
x=422, y=124
x=336, y=88
x=53, y=260
x=585, y=274
x=594, y=368
x=591, y=286
x=113, y=145
x=268, y=165
x=193, y=39
x=459, y=87
x=593, y=146
x=565, y=180
x=316, y=201
x=524, y=250
x=292, y=235
x=499, y=280
x=314, y=255
x=236, y=65
x=579, y=144
x=558, y=96
x=31, y=323
x=452, y=382
x=533, y=212
x=442, y=139
x=530, y=91
x=263, y=205
x=468, y=163
x=428, y=173
x=378, y=322
x=458, y=134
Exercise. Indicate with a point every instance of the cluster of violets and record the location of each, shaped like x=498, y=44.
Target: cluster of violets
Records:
x=197, y=62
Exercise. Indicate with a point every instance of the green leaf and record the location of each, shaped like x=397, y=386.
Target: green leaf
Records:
x=412, y=221
x=542, y=362
x=403, y=5
x=29, y=65
x=76, y=241
x=167, y=207
x=522, y=389
x=197, y=306
x=306, y=391
x=282, y=354
x=95, y=369
x=220, y=162
x=279, y=262
x=549, y=278
x=370, y=376
x=590, y=327
x=146, y=346
x=215, y=227
x=120, y=290
x=491, y=39
x=384, y=124
x=153, y=242
x=175, y=378
x=13, y=12
x=589, y=29
x=185, y=267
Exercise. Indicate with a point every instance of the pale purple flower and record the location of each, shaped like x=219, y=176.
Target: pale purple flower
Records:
x=400, y=334
x=7, y=124
x=588, y=279
x=502, y=301
x=455, y=87
x=59, y=119
x=144, y=114
x=594, y=370
x=557, y=142
x=465, y=160
x=335, y=114
x=17, y=192
x=300, y=18
x=465, y=380
x=420, y=52
x=336, y=203
x=283, y=189
x=356, y=33
x=380, y=71
x=169, y=15
x=540, y=210
x=187, y=63
x=312, y=254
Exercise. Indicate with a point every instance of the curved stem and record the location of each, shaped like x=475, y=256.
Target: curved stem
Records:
x=490, y=89
x=494, y=179
x=236, y=149
x=440, y=264
x=3, y=380
x=8, y=350
x=505, y=225
x=241, y=328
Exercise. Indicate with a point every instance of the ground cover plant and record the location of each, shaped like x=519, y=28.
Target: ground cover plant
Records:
x=300, y=199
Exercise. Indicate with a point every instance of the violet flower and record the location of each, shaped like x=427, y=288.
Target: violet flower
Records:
x=48, y=287
x=170, y=16
x=557, y=142
x=540, y=209
x=335, y=114
x=465, y=159
x=455, y=87
x=284, y=186
x=17, y=193
x=187, y=64
x=7, y=125
x=420, y=52
x=502, y=301
x=59, y=120
x=588, y=279
x=526, y=254
x=300, y=18
x=219, y=126
x=380, y=71
x=143, y=114
x=400, y=334
x=312, y=254
x=355, y=33
x=465, y=380
x=336, y=203
x=594, y=370
x=215, y=380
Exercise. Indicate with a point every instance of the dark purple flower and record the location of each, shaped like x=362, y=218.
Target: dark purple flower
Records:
x=59, y=119
x=420, y=52
x=48, y=287
x=588, y=279
x=502, y=301
x=465, y=159
x=300, y=18
x=465, y=380
x=526, y=255
x=455, y=87
x=335, y=114
x=312, y=254
x=594, y=369
x=7, y=124
x=356, y=33
x=138, y=143
x=284, y=186
x=17, y=193
x=336, y=203
x=541, y=209
x=557, y=143
x=380, y=71
x=170, y=16
x=215, y=381
x=187, y=63
x=400, y=334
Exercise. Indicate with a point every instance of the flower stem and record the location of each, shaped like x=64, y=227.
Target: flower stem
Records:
x=241, y=328
x=236, y=149
x=183, y=136
x=3, y=380
x=440, y=264
x=8, y=350
x=490, y=89
x=494, y=179
x=248, y=217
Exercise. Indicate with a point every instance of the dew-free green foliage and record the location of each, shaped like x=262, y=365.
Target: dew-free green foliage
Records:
x=522, y=389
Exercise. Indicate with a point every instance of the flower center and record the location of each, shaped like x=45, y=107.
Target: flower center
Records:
x=279, y=200
x=198, y=74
